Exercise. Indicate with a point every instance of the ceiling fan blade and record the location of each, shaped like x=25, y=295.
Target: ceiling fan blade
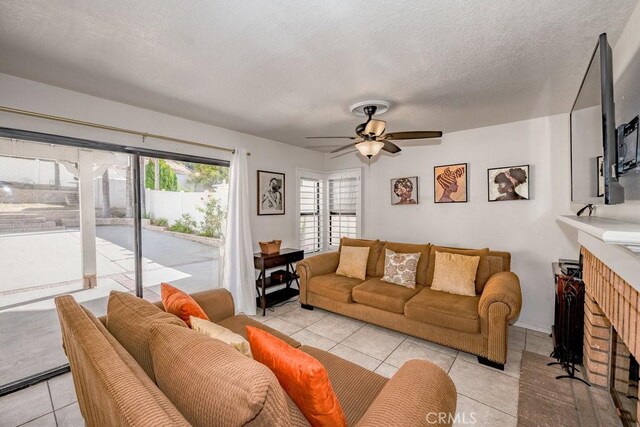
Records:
x=412, y=135
x=375, y=127
x=330, y=137
x=390, y=147
x=344, y=147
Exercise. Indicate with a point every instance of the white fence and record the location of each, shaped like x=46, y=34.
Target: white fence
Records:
x=171, y=205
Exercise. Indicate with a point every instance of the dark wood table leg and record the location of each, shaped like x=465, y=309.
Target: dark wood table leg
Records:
x=263, y=301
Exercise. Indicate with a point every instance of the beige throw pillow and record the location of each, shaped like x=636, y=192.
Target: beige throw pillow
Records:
x=221, y=333
x=455, y=274
x=353, y=262
x=400, y=269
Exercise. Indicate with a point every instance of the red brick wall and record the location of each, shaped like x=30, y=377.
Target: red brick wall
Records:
x=609, y=301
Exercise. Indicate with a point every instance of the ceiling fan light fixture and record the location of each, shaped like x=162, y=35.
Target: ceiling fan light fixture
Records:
x=375, y=127
x=369, y=148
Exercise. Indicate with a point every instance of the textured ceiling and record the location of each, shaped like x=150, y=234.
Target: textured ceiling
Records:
x=288, y=69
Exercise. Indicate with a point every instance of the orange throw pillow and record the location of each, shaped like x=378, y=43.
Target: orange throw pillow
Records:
x=302, y=376
x=180, y=304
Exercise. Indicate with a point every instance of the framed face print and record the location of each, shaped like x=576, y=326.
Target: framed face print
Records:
x=404, y=191
x=450, y=183
x=508, y=183
x=271, y=191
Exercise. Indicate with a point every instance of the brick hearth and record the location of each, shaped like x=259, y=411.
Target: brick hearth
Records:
x=609, y=301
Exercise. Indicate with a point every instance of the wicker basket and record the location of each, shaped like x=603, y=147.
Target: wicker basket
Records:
x=272, y=247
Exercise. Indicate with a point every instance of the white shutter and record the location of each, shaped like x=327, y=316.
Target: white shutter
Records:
x=310, y=208
x=344, y=202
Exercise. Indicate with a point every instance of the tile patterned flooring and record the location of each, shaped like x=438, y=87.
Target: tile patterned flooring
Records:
x=489, y=394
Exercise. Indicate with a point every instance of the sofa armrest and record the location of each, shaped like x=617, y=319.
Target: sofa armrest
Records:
x=317, y=265
x=502, y=287
x=419, y=394
x=217, y=303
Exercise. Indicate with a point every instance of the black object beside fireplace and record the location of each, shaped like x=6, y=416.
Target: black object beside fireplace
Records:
x=568, y=327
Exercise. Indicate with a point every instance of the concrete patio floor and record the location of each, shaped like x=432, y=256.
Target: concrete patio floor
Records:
x=49, y=264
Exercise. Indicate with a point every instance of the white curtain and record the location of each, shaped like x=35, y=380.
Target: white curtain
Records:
x=238, y=274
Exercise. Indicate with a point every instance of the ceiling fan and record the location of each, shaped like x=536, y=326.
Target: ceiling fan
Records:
x=371, y=137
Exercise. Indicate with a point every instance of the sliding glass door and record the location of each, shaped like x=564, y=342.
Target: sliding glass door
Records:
x=86, y=218
x=184, y=212
x=66, y=227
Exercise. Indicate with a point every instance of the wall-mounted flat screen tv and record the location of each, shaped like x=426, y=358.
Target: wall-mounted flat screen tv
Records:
x=593, y=134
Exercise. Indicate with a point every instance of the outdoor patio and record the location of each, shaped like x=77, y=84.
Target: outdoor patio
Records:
x=39, y=266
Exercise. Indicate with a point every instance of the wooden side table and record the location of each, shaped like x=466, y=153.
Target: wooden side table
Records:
x=285, y=258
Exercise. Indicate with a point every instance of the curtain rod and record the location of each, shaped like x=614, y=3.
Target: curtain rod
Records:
x=144, y=135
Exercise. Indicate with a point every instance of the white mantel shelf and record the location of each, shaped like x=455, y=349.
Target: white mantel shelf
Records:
x=615, y=243
x=610, y=231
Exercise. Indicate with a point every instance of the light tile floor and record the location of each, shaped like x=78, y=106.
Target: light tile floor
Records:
x=486, y=394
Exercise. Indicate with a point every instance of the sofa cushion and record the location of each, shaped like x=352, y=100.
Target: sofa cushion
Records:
x=129, y=320
x=213, y=330
x=338, y=288
x=301, y=375
x=386, y=296
x=180, y=303
x=443, y=309
x=355, y=386
x=455, y=273
x=353, y=262
x=140, y=374
x=238, y=324
x=211, y=383
x=483, y=273
x=408, y=248
x=400, y=269
x=374, y=252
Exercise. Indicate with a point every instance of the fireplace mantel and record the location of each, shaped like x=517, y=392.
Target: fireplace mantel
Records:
x=616, y=243
x=610, y=231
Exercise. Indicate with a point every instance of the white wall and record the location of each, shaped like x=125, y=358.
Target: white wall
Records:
x=265, y=154
x=627, y=47
x=527, y=228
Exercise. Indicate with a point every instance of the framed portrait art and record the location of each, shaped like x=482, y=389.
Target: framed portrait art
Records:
x=600, y=175
x=508, y=183
x=404, y=191
x=271, y=191
x=450, y=183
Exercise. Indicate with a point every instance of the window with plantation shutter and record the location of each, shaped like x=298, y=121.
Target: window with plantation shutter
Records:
x=329, y=206
x=311, y=203
x=344, y=205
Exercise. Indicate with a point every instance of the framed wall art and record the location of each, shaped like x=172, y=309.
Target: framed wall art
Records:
x=508, y=183
x=600, y=175
x=450, y=183
x=404, y=191
x=271, y=191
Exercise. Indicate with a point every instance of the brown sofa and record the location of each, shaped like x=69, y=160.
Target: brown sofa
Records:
x=474, y=324
x=196, y=380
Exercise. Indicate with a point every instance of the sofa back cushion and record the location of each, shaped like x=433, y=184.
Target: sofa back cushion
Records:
x=408, y=248
x=374, y=252
x=213, y=384
x=110, y=386
x=483, y=273
x=499, y=261
x=129, y=320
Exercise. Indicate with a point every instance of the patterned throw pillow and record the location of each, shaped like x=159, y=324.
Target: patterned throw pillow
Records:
x=400, y=269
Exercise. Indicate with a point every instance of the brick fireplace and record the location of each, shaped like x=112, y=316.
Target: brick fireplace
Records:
x=611, y=324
